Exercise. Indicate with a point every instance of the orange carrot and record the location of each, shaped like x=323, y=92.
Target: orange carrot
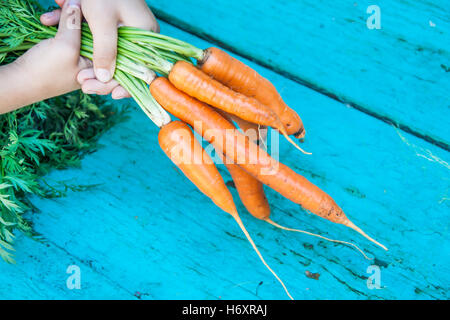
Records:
x=251, y=193
x=180, y=145
x=178, y=142
x=187, y=78
x=250, y=190
x=243, y=79
x=255, y=132
x=259, y=164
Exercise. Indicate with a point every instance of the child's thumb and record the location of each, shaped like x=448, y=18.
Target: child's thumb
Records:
x=70, y=24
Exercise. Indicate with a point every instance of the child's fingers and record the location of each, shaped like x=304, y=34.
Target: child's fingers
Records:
x=51, y=18
x=85, y=74
x=102, y=21
x=70, y=24
x=120, y=93
x=93, y=86
x=89, y=84
x=105, y=49
x=140, y=17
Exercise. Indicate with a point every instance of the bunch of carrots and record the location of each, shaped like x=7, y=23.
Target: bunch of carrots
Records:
x=210, y=91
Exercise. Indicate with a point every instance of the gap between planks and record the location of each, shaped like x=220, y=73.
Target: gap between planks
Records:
x=178, y=23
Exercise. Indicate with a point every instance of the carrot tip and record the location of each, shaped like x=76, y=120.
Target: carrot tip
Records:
x=294, y=144
x=301, y=134
x=357, y=229
x=318, y=236
x=283, y=131
x=244, y=230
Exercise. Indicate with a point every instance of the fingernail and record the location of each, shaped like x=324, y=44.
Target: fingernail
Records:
x=103, y=75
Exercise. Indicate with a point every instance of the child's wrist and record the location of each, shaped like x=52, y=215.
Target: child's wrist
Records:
x=26, y=81
x=19, y=86
x=11, y=87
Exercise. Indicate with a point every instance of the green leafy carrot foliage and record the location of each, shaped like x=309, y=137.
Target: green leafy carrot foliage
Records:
x=52, y=134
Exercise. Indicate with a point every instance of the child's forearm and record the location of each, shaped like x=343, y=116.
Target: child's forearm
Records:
x=17, y=88
x=22, y=85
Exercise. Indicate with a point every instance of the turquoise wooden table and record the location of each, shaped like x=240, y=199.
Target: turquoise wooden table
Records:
x=376, y=106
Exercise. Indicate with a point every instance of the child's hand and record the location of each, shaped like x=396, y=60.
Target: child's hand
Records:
x=86, y=77
x=104, y=17
x=48, y=69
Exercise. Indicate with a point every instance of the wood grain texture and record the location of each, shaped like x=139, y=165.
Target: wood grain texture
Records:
x=147, y=230
x=40, y=272
x=399, y=74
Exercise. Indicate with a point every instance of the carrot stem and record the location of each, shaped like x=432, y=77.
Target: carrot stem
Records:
x=125, y=64
x=149, y=56
x=139, y=91
x=161, y=41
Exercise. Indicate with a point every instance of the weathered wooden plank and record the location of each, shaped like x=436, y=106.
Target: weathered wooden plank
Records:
x=149, y=230
x=398, y=74
x=41, y=273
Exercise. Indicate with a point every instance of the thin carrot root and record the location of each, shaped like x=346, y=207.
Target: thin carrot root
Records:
x=244, y=230
x=350, y=224
x=318, y=236
x=284, y=133
x=280, y=127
